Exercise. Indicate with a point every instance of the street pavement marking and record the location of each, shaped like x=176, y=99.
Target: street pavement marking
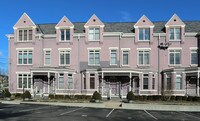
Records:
x=71, y=111
x=110, y=113
x=35, y=109
x=84, y=115
x=190, y=115
x=150, y=115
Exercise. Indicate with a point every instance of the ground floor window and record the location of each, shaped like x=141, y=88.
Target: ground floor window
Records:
x=92, y=81
x=24, y=81
x=61, y=81
x=145, y=81
x=153, y=81
x=70, y=81
x=178, y=82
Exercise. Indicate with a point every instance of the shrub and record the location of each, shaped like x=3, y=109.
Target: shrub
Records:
x=196, y=99
x=178, y=98
x=190, y=98
x=59, y=96
x=51, y=96
x=130, y=96
x=27, y=94
x=7, y=93
x=96, y=96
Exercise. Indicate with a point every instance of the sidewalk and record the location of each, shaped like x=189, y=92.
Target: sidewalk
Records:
x=116, y=105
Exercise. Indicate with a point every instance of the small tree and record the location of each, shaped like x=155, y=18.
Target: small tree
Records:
x=130, y=96
x=26, y=94
x=96, y=96
x=7, y=93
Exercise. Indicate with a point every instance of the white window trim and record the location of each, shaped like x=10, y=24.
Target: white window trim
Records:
x=122, y=51
x=69, y=51
x=143, y=33
x=58, y=87
x=94, y=34
x=45, y=57
x=64, y=28
x=24, y=49
x=72, y=81
x=94, y=49
x=23, y=79
x=26, y=28
x=140, y=49
x=193, y=48
x=174, y=57
x=110, y=57
x=175, y=39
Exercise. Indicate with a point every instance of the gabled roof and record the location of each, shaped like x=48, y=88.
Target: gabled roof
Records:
x=125, y=27
x=144, y=21
x=94, y=21
x=24, y=21
x=64, y=22
x=174, y=21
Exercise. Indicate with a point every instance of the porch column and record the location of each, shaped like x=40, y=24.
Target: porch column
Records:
x=165, y=82
x=87, y=80
x=150, y=81
x=198, y=83
x=183, y=81
x=32, y=92
x=96, y=81
x=102, y=81
x=48, y=83
x=130, y=76
x=173, y=84
x=140, y=82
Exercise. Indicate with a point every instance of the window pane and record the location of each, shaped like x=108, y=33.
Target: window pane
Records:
x=91, y=58
x=97, y=34
x=113, y=57
x=145, y=83
x=140, y=57
x=29, y=82
x=67, y=58
x=19, y=82
x=178, y=83
x=25, y=57
x=146, y=58
x=96, y=58
x=147, y=34
x=171, y=58
x=194, y=57
x=67, y=34
x=62, y=58
x=25, y=35
x=171, y=34
x=25, y=81
x=30, y=34
x=91, y=33
x=20, y=58
x=20, y=35
x=61, y=83
x=125, y=58
x=70, y=81
x=178, y=33
x=178, y=58
x=30, y=58
x=168, y=83
x=141, y=34
x=62, y=34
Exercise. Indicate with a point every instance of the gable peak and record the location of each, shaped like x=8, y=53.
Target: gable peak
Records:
x=24, y=21
x=64, y=22
x=94, y=21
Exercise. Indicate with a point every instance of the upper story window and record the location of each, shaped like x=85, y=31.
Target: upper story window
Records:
x=47, y=57
x=175, y=34
x=125, y=57
x=25, y=35
x=94, y=57
x=175, y=57
x=64, y=57
x=143, y=57
x=65, y=35
x=113, y=57
x=144, y=34
x=94, y=34
x=25, y=57
x=194, y=57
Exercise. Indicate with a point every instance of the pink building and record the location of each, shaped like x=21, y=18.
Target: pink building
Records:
x=149, y=58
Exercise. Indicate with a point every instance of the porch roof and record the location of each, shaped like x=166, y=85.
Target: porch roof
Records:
x=51, y=69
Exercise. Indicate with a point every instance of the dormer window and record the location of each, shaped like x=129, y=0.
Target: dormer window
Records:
x=65, y=35
x=94, y=34
x=175, y=34
x=25, y=35
x=144, y=34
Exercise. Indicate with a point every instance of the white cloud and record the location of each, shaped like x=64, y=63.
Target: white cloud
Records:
x=126, y=16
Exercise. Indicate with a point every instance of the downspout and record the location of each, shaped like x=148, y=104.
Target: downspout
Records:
x=158, y=64
x=120, y=36
x=78, y=71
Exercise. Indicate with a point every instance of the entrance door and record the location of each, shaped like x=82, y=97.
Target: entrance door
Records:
x=115, y=88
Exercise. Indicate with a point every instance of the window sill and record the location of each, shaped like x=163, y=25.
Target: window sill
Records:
x=94, y=65
x=24, y=64
x=143, y=65
x=178, y=65
x=193, y=65
x=93, y=40
x=143, y=40
x=125, y=65
x=174, y=40
x=64, y=65
x=113, y=64
x=66, y=41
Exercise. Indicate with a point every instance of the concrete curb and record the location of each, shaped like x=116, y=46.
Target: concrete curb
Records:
x=10, y=102
x=158, y=107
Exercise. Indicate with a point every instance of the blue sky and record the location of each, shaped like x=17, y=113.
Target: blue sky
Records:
x=51, y=11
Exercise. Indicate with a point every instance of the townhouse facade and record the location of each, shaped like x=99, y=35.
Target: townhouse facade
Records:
x=148, y=58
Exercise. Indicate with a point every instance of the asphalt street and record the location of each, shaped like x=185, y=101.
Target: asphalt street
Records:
x=27, y=112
